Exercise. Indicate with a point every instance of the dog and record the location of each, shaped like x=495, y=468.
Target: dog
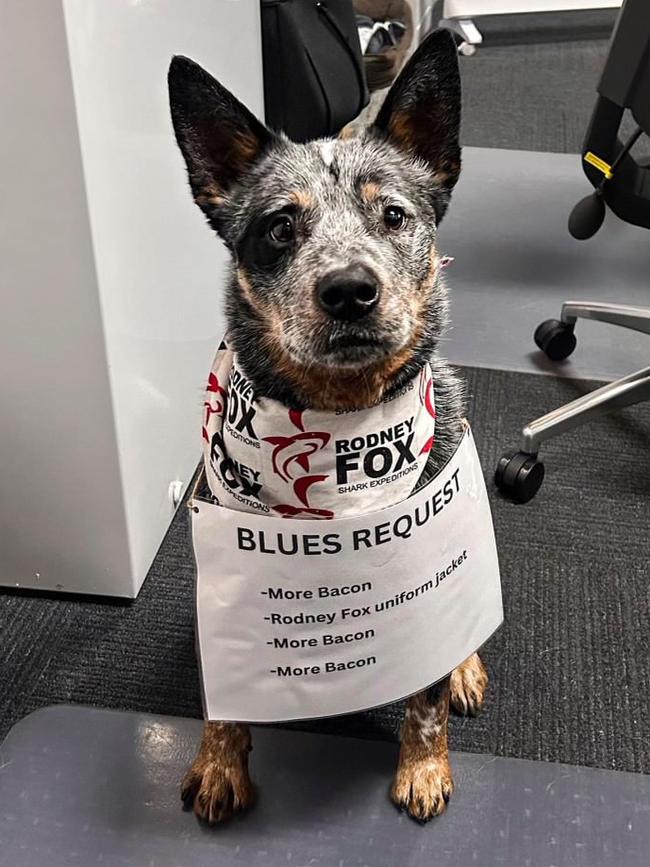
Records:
x=336, y=299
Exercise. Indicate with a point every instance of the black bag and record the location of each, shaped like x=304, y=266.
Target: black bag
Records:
x=314, y=81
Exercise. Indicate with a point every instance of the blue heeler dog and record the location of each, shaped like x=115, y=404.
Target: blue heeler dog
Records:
x=335, y=300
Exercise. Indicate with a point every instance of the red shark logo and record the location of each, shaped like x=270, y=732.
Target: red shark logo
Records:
x=291, y=459
x=426, y=396
x=217, y=405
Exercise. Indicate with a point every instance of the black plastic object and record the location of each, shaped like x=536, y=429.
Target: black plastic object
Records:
x=519, y=476
x=556, y=339
x=587, y=217
x=314, y=80
x=625, y=84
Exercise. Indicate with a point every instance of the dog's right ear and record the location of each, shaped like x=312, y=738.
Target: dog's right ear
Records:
x=218, y=136
x=421, y=113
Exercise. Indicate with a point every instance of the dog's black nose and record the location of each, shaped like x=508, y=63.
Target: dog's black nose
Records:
x=348, y=293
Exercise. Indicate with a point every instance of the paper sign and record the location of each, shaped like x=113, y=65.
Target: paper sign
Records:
x=300, y=618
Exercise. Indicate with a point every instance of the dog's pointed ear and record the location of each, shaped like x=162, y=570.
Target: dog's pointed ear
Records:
x=421, y=113
x=218, y=136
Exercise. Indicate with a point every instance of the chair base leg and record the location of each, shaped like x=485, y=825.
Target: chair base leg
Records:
x=635, y=318
x=628, y=391
x=519, y=474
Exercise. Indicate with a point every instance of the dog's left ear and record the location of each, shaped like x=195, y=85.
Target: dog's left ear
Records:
x=421, y=113
x=218, y=136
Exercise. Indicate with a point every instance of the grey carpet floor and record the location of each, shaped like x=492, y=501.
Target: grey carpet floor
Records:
x=550, y=27
x=570, y=668
x=532, y=86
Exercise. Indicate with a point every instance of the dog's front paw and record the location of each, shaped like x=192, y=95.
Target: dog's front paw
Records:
x=218, y=790
x=468, y=683
x=423, y=787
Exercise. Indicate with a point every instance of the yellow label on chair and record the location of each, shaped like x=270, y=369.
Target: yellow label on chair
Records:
x=601, y=165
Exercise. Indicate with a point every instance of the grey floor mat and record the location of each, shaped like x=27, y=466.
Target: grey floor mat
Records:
x=515, y=264
x=105, y=788
x=569, y=669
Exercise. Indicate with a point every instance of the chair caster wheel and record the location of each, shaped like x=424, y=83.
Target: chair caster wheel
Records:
x=556, y=339
x=467, y=49
x=519, y=476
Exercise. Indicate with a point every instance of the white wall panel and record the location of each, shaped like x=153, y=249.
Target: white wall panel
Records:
x=111, y=279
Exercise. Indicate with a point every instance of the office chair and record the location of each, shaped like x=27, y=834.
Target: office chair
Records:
x=621, y=183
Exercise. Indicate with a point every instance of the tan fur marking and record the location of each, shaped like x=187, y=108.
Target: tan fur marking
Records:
x=418, y=301
x=347, y=132
x=246, y=288
x=401, y=128
x=301, y=198
x=210, y=196
x=429, y=281
x=468, y=684
x=218, y=782
x=328, y=389
x=239, y=154
x=423, y=783
x=451, y=170
x=266, y=312
x=244, y=148
x=370, y=191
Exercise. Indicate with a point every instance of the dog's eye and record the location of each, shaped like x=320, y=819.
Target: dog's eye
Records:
x=281, y=230
x=394, y=217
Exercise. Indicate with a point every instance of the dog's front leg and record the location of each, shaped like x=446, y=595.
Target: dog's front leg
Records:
x=218, y=783
x=468, y=684
x=423, y=782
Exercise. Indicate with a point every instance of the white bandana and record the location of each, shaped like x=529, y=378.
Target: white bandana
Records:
x=262, y=457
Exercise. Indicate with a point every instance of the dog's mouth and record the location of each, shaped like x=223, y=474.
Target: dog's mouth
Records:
x=353, y=341
x=351, y=347
x=347, y=345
